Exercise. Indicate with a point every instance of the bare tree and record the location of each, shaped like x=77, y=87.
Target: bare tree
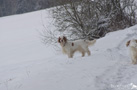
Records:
x=77, y=18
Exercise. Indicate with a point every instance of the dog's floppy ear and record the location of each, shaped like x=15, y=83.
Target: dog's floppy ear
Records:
x=128, y=42
x=64, y=38
x=59, y=40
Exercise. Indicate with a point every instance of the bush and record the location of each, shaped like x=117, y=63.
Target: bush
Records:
x=93, y=19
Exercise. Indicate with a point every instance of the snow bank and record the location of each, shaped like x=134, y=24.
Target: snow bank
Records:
x=27, y=64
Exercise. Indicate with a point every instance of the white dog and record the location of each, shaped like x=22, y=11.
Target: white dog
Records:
x=133, y=50
x=69, y=47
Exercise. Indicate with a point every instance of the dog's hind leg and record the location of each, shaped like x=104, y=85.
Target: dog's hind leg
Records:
x=83, y=54
x=82, y=51
x=88, y=52
x=85, y=49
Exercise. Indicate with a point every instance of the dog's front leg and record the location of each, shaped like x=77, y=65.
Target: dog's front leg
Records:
x=134, y=59
x=70, y=55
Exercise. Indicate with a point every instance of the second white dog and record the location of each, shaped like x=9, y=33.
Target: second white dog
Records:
x=133, y=50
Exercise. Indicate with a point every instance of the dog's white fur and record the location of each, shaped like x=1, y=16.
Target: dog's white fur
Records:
x=70, y=47
x=133, y=50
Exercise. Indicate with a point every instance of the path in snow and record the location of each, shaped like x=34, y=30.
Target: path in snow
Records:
x=119, y=76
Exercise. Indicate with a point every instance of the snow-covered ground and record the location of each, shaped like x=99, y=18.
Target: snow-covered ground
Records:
x=27, y=64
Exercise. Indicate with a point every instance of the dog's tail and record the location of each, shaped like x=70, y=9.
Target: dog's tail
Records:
x=90, y=43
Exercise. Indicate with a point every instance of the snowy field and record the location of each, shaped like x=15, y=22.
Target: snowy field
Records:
x=27, y=64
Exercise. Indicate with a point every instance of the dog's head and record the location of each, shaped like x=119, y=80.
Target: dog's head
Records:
x=132, y=42
x=62, y=40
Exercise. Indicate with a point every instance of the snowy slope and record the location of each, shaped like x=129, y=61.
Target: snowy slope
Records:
x=27, y=64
